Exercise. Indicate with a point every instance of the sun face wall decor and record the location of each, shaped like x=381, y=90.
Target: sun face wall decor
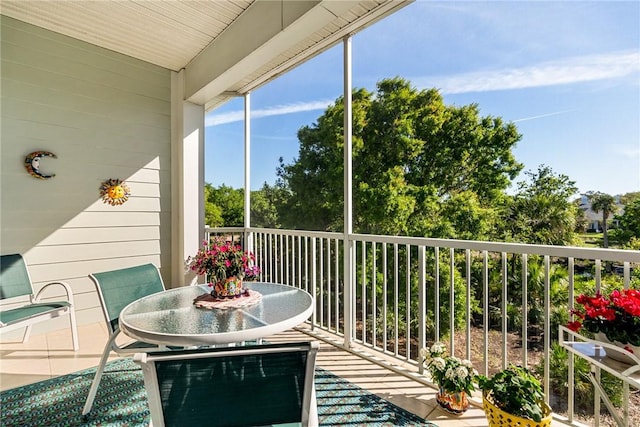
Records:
x=32, y=164
x=114, y=191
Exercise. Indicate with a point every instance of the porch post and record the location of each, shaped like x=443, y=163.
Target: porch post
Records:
x=248, y=237
x=187, y=180
x=349, y=249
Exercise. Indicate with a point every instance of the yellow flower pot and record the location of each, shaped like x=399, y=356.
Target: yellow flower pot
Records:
x=499, y=418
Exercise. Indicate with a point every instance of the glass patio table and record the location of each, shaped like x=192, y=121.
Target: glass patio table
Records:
x=171, y=318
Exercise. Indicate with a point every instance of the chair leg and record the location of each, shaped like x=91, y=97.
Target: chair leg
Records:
x=74, y=330
x=27, y=334
x=98, y=376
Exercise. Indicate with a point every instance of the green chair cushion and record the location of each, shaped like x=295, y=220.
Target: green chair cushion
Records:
x=15, y=315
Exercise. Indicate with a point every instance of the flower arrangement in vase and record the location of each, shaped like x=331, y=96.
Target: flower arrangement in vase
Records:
x=225, y=265
x=454, y=376
x=614, y=319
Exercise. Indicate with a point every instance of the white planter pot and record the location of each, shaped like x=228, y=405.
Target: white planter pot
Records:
x=616, y=355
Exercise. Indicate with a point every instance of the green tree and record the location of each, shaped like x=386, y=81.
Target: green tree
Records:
x=224, y=206
x=541, y=211
x=416, y=161
x=629, y=222
x=212, y=212
x=264, y=206
x=605, y=203
x=581, y=218
x=628, y=198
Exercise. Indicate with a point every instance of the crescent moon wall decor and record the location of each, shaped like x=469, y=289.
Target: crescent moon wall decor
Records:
x=32, y=163
x=114, y=191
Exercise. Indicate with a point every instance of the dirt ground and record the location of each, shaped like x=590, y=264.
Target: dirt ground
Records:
x=514, y=350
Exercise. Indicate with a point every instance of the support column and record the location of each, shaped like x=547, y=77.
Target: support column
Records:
x=349, y=249
x=187, y=180
x=247, y=172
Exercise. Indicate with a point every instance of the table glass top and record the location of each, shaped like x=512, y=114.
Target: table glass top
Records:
x=170, y=317
x=598, y=354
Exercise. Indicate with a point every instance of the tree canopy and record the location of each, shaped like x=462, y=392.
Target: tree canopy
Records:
x=224, y=206
x=629, y=224
x=420, y=167
x=541, y=211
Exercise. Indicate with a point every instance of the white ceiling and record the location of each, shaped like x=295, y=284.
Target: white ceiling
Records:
x=225, y=47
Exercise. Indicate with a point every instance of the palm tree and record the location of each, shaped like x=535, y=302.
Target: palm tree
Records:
x=605, y=203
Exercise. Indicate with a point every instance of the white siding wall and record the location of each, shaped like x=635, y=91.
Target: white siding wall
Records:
x=104, y=115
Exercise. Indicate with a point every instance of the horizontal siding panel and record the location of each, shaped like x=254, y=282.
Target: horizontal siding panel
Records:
x=71, y=253
x=79, y=286
x=27, y=132
x=112, y=219
x=23, y=85
x=155, y=115
x=81, y=269
x=82, y=288
x=82, y=219
x=69, y=236
x=20, y=109
x=145, y=189
x=133, y=204
x=85, y=107
x=19, y=75
x=66, y=191
x=65, y=62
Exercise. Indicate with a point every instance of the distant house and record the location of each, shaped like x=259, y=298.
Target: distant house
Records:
x=594, y=219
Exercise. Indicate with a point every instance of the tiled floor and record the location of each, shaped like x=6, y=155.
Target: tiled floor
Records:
x=49, y=355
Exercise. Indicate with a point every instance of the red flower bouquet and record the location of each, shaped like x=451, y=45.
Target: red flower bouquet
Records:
x=618, y=316
x=221, y=260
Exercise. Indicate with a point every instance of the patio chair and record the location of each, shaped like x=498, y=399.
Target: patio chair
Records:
x=116, y=289
x=15, y=283
x=237, y=386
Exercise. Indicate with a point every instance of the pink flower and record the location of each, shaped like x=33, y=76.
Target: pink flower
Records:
x=221, y=259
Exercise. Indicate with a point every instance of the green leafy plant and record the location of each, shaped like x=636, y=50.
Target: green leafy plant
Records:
x=515, y=390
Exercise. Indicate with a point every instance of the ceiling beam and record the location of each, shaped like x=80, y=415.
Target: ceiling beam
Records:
x=261, y=33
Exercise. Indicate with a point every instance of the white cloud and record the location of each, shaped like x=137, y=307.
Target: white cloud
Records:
x=566, y=71
x=630, y=152
x=278, y=110
x=570, y=70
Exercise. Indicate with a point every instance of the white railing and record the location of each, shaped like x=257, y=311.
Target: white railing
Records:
x=409, y=292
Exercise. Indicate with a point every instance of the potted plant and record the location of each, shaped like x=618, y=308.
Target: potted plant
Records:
x=514, y=397
x=614, y=319
x=225, y=265
x=454, y=377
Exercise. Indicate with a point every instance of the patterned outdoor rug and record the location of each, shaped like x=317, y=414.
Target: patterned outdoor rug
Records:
x=122, y=401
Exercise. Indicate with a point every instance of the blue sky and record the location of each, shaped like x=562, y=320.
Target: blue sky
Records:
x=566, y=73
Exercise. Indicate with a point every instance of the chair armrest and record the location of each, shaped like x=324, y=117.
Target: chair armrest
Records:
x=65, y=286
